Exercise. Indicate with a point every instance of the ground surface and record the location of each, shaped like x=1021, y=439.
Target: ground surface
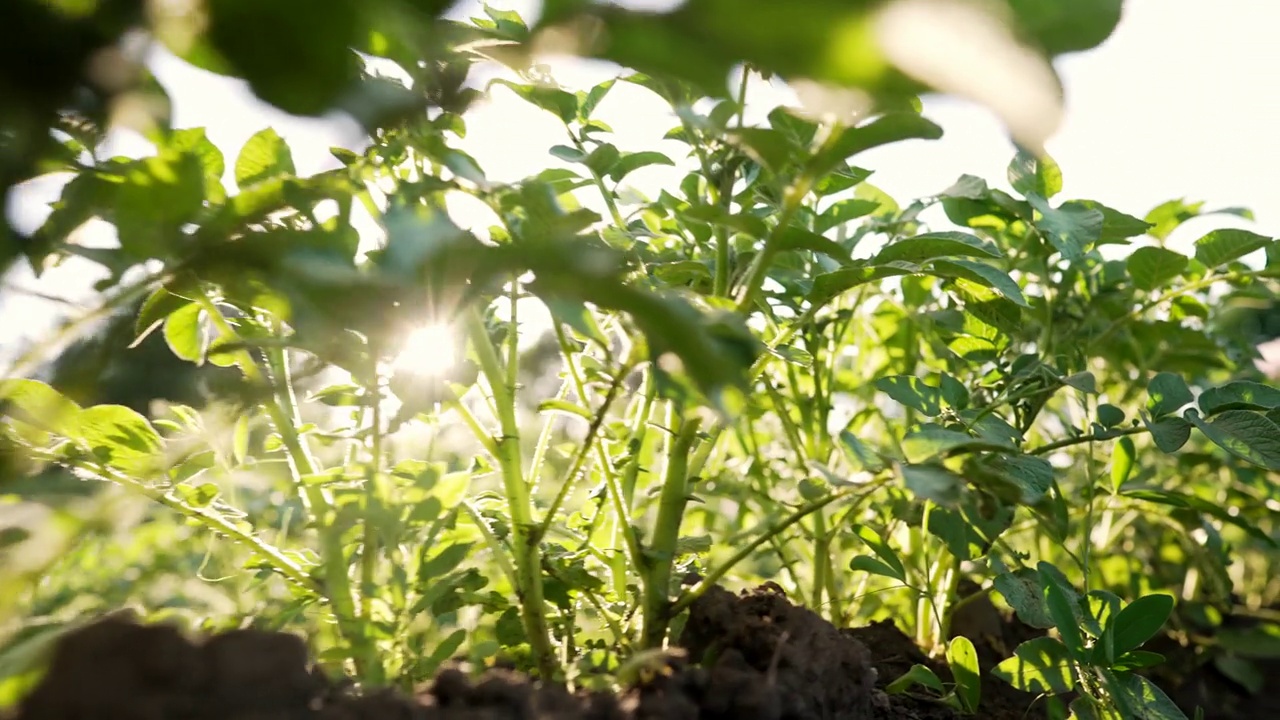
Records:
x=753, y=656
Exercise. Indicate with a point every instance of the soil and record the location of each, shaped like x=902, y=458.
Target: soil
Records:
x=753, y=656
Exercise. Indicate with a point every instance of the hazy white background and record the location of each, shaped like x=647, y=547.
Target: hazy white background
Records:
x=1182, y=101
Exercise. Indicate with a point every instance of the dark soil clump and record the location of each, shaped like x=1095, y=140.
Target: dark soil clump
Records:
x=753, y=656
x=809, y=667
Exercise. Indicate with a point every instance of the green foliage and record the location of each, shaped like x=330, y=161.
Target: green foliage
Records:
x=768, y=370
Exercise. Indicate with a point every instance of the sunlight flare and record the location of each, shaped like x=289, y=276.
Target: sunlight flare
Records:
x=429, y=350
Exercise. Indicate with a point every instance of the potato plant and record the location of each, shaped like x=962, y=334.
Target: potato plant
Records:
x=772, y=371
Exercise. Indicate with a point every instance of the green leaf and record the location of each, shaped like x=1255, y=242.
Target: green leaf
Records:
x=1152, y=267
x=933, y=482
x=158, y=305
x=120, y=437
x=1239, y=395
x=603, y=159
x=560, y=103
x=1084, y=381
x=970, y=187
x=195, y=142
x=1060, y=606
x=568, y=154
x=443, y=562
x=1029, y=174
x=770, y=148
x=630, y=162
x=1166, y=393
x=158, y=196
x=1247, y=435
x=932, y=441
x=917, y=675
x=240, y=439
x=884, y=130
x=842, y=211
x=858, y=454
x=962, y=658
x=1122, y=463
x=1167, y=216
x=1222, y=246
x=591, y=99
x=565, y=407
x=794, y=238
x=577, y=316
x=912, y=392
x=741, y=222
x=1169, y=433
x=1149, y=701
x=197, y=496
x=983, y=274
x=1117, y=227
x=445, y=649
x=35, y=403
x=184, y=333
x=868, y=564
x=1071, y=229
x=1214, y=510
x=882, y=549
x=1137, y=623
x=953, y=391
x=1109, y=415
x=1031, y=475
x=1040, y=665
x=932, y=246
x=830, y=285
x=987, y=307
x=264, y=156
x=1021, y=589
x=1136, y=660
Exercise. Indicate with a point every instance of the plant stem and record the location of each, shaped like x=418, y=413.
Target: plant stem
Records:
x=212, y=520
x=524, y=531
x=1080, y=440
x=374, y=672
x=821, y=561
x=745, y=551
x=283, y=412
x=666, y=532
x=617, y=498
x=580, y=458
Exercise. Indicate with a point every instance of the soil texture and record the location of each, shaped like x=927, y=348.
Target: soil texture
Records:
x=752, y=656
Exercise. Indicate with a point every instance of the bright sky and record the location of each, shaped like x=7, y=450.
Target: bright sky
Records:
x=1182, y=101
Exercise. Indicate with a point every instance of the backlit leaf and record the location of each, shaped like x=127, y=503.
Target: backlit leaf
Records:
x=1166, y=393
x=1222, y=246
x=1039, y=665
x=1153, y=267
x=1248, y=435
x=1239, y=395
x=264, y=155
x=932, y=246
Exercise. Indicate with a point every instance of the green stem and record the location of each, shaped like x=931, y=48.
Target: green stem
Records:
x=369, y=546
x=205, y=516
x=283, y=412
x=617, y=498
x=821, y=561
x=662, y=550
x=580, y=459
x=1193, y=287
x=500, y=554
x=1080, y=440
x=713, y=577
x=524, y=531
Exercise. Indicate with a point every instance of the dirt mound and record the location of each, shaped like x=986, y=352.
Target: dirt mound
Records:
x=753, y=656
